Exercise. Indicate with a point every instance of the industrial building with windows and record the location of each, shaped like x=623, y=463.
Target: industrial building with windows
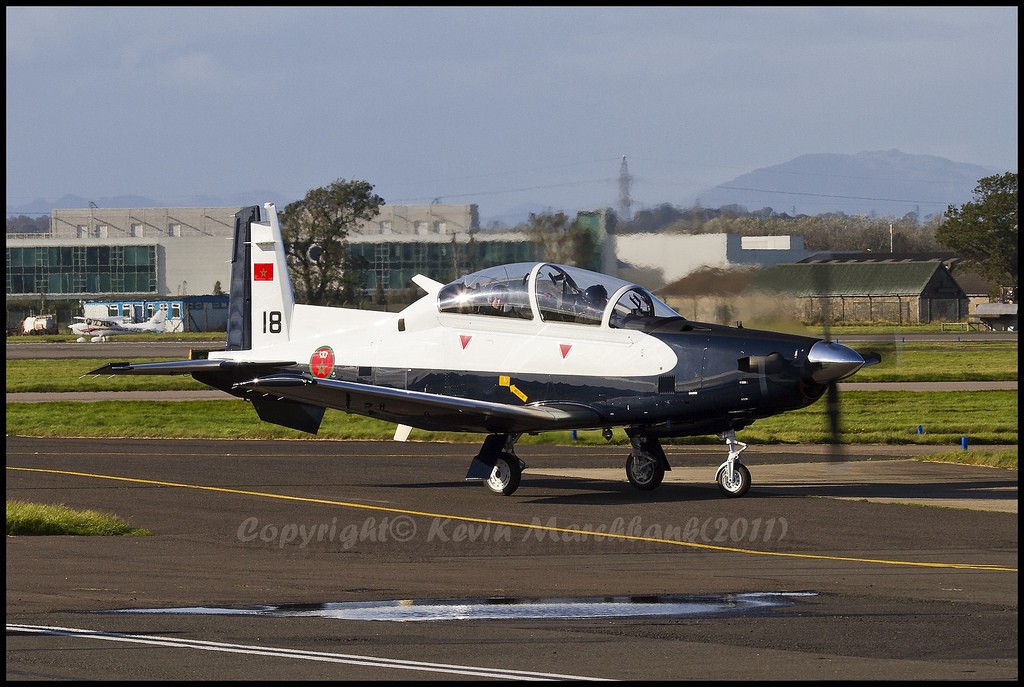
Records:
x=99, y=259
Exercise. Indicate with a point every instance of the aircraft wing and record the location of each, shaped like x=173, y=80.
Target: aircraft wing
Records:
x=419, y=409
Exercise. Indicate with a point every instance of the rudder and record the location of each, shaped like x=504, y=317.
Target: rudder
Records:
x=261, y=300
x=240, y=295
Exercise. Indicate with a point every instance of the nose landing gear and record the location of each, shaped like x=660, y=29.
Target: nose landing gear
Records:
x=733, y=477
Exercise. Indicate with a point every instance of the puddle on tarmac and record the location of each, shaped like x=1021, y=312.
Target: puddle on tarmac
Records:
x=510, y=608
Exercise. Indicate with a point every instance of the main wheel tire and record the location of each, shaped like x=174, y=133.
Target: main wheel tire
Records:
x=738, y=485
x=506, y=475
x=644, y=474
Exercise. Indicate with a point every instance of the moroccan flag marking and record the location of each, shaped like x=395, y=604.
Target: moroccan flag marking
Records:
x=263, y=271
x=321, y=363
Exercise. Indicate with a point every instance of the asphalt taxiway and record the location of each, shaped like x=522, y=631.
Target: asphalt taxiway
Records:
x=876, y=567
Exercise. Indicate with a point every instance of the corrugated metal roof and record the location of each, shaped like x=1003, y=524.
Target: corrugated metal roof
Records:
x=972, y=282
x=996, y=309
x=848, y=278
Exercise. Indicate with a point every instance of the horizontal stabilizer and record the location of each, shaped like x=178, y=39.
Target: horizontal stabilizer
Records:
x=427, y=284
x=186, y=367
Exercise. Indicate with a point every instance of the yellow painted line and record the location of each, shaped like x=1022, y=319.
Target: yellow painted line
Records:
x=532, y=526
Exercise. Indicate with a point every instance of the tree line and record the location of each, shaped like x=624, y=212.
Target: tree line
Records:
x=982, y=232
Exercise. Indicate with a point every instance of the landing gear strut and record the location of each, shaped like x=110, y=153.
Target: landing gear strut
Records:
x=646, y=463
x=733, y=477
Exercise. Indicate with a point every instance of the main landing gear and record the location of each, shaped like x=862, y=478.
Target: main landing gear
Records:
x=501, y=470
x=646, y=465
x=497, y=464
x=507, y=472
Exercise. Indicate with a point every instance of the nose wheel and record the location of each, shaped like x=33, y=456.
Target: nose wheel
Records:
x=735, y=484
x=733, y=477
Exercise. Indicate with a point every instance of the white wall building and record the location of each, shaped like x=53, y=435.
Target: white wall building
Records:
x=655, y=260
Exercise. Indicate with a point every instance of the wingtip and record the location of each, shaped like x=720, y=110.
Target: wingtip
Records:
x=109, y=368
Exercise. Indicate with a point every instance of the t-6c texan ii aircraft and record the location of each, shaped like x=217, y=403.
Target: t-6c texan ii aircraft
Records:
x=513, y=349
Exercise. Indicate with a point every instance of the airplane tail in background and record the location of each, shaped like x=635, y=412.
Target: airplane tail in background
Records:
x=261, y=303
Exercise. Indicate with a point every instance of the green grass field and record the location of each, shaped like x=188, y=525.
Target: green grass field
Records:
x=875, y=417
x=869, y=417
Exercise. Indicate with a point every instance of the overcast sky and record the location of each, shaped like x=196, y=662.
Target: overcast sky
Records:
x=502, y=107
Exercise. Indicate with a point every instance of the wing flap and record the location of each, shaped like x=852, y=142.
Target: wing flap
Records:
x=436, y=412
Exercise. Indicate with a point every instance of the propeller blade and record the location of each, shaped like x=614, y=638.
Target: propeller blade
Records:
x=832, y=412
x=834, y=362
x=821, y=284
x=835, y=438
x=872, y=358
x=826, y=320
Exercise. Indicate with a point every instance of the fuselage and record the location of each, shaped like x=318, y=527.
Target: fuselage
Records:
x=673, y=376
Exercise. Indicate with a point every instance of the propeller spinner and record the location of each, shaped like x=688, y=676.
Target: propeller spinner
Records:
x=832, y=361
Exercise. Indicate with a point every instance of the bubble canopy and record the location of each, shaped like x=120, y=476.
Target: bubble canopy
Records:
x=553, y=293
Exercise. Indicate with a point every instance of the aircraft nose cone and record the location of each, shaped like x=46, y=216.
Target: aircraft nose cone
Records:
x=833, y=361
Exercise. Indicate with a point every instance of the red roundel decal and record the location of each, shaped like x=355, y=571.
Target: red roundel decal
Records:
x=321, y=363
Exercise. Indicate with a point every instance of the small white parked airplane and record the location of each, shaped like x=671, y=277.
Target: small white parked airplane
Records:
x=102, y=328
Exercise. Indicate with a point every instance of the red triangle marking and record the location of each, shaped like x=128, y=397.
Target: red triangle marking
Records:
x=565, y=349
x=464, y=338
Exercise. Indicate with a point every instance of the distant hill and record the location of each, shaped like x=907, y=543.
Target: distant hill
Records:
x=886, y=183
x=883, y=183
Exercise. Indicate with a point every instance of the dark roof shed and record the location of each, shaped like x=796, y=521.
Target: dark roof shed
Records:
x=859, y=279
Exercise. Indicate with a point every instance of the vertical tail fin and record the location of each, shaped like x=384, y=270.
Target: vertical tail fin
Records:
x=261, y=300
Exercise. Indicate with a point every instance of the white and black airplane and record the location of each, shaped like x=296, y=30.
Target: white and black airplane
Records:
x=102, y=328
x=514, y=349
